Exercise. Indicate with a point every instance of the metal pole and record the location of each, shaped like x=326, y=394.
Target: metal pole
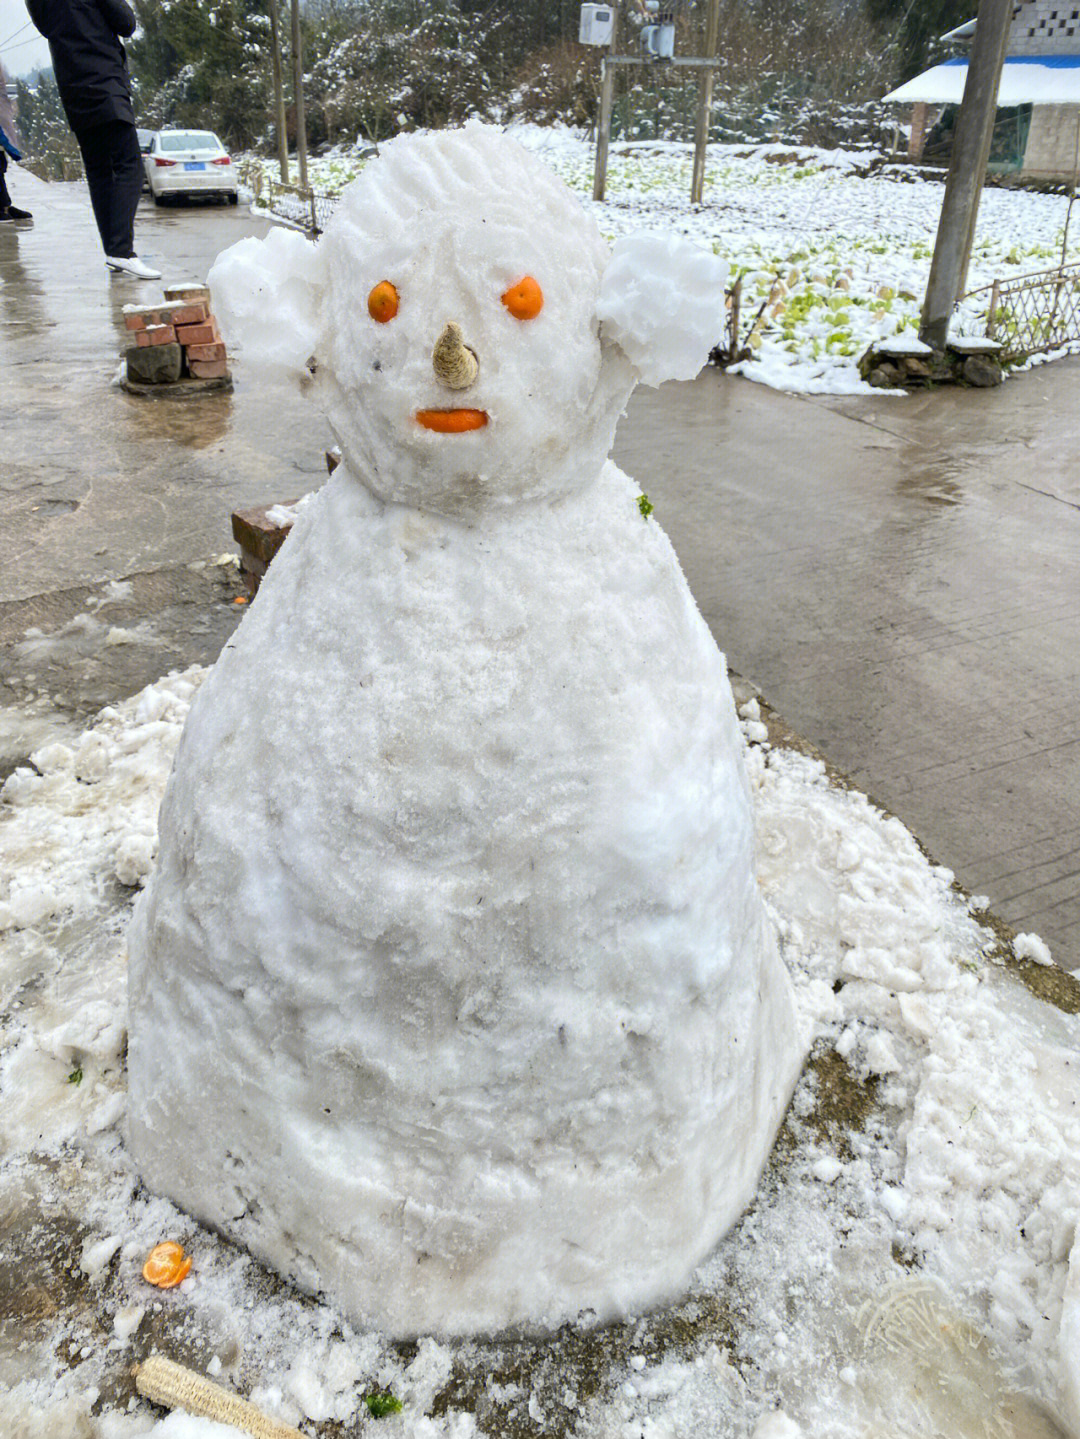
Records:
x=995, y=301
x=603, y=127
x=967, y=170
x=736, y=303
x=1072, y=190
x=701, y=137
x=298, y=94
x=607, y=96
x=279, y=93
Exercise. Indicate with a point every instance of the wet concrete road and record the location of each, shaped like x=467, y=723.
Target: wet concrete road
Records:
x=96, y=483
x=901, y=577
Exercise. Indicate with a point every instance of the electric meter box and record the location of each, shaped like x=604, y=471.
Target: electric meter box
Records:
x=658, y=40
x=597, y=24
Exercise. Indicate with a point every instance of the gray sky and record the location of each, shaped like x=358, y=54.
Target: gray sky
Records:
x=18, y=56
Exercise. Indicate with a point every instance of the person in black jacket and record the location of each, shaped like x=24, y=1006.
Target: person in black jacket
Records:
x=92, y=76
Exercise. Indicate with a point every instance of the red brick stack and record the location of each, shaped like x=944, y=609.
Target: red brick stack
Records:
x=183, y=319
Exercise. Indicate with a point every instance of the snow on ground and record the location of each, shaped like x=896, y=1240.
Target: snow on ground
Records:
x=906, y=1264
x=838, y=257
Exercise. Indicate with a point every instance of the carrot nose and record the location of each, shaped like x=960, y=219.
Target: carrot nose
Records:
x=455, y=364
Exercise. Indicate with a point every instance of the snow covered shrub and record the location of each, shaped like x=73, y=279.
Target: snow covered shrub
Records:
x=405, y=65
x=558, y=83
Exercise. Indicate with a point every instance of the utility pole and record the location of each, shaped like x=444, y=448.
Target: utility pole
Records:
x=967, y=171
x=705, y=89
x=279, y=93
x=298, y=95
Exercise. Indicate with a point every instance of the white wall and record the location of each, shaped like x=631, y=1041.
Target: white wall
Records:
x=1045, y=27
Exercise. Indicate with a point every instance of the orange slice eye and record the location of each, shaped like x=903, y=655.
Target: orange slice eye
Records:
x=524, y=300
x=167, y=1265
x=382, y=303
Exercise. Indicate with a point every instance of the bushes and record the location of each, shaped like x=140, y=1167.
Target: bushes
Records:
x=50, y=149
x=403, y=64
x=202, y=63
x=788, y=70
x=559, y=83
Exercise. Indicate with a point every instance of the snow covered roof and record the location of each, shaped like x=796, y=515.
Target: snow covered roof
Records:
x=961, y=32
x=1025, y=80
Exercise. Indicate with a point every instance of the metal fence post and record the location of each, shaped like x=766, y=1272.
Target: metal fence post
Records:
x=603, y=126
x=704, y=114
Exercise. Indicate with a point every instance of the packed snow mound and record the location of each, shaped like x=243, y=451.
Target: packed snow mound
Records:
x=267, y=295
x=662, y=301
x=453, y=995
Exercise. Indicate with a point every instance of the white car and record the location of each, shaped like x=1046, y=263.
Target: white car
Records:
x=146, y=139
x=189, y=162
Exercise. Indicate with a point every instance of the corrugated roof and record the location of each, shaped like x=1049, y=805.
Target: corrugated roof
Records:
x=1025, y=80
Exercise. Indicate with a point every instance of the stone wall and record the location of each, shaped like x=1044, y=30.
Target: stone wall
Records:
x=1052, y=148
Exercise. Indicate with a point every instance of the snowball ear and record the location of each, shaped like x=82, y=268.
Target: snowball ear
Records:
x=662, y=302
x=268, y=296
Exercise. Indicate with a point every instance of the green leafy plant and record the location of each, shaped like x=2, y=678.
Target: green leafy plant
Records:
x=381, y=1404
x=644, y=504
x=76, y=1075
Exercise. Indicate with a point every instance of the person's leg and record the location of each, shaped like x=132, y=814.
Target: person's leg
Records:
x=113, y=163
x=127, y=185
x=95, y=146
x=5, y=198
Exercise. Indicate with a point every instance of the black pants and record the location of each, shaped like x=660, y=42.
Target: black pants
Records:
x=114, y=172
x=5, y=198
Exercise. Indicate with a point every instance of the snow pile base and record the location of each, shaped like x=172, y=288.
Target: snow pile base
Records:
x=892, y=1194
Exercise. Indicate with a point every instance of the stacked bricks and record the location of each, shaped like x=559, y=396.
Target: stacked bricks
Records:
x=183, y=332
x=261, y=532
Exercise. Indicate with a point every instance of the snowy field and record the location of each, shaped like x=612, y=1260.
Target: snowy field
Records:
x=909, y=1266
x=839, y=257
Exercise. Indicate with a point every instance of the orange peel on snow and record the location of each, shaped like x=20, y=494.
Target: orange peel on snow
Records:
x=167, y=1265
x=452, y=422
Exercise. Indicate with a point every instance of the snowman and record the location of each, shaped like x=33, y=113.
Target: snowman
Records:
x=452, y=995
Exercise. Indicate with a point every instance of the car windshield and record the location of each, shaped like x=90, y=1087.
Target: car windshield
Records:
x=188, y=140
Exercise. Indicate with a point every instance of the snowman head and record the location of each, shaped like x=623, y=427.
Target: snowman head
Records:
x=471, y=351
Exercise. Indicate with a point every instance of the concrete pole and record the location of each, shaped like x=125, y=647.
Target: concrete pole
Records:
x=279, y=93
x=967, y=171
x=701, y=137
x=298, y=94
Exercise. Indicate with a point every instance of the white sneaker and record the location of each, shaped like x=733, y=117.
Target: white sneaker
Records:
x=132, y=265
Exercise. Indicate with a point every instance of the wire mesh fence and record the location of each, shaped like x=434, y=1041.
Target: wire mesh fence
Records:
x=296, y=203
x=1035, y=312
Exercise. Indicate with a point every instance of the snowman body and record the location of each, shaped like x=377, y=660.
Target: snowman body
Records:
x=452, y=995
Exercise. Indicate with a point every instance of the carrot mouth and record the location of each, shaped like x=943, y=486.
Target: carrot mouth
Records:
x=452, y=422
